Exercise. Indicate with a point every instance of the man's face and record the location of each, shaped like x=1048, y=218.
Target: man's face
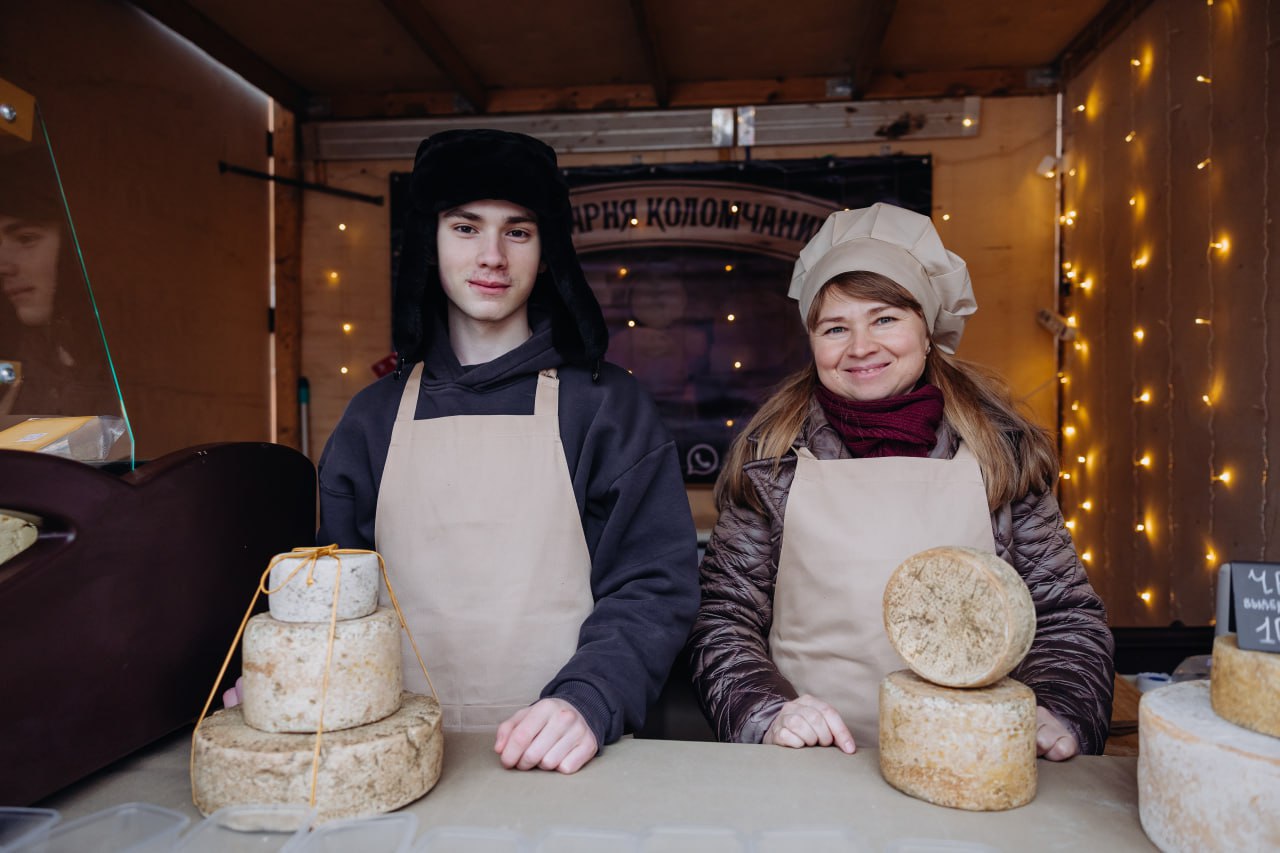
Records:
x=489, y=254
x=29, y=268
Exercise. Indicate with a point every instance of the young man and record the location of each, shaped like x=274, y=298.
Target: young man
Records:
x=526, y=498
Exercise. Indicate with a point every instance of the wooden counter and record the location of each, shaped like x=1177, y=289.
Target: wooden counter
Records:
x=1087, y=803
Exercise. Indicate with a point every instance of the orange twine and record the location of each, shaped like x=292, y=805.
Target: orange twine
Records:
x=313, y=555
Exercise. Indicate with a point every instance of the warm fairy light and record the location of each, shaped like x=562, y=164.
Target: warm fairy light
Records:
x=1221, y=245
x=1064, y=475
x=1070, y=524
x=1087, y=284
x=333, y=276
x=622, y=272
x=733, y=208
x=1075, y=407
x=1144, y=397
x=1208, y=401
x=1066, y=265
x=729, y=422
x=1081, y=346
x=1087, y=506
x=1130, y=136
x=1071, y=173
x=1224, y=477
x=631, y=324
x=1211, y=555
x=968, y=122
x=1081, y=459
x=342, y=226
x=634, y=222
x=1145, y=461
x=1087, y=556
x=1071, y=276
x=946, y=217
x=346, y=327
x=1200, y=78
x=1146, y=596
x=1135, y=62
x=1139, y=527
x=1072, y=321
x=1079, y=108
x=1205, y=162
x=737, y=365
x=1068, y=431
x=728, y=267
x=1140, y=261
x=1063, y=379
x=342, y=370
x=731, y=317
x=1139, y=334
x=1201, y=321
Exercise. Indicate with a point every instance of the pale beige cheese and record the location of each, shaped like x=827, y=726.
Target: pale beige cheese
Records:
x=1204, y=784
x=16, y=536
x=959, y=617
x=363, y=771
x=294, y=600
x=284, y=665
x=968, y=749
x=1245, y=686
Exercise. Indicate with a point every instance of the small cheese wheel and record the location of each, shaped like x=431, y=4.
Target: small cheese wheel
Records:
x=363, y=771
x=959, y=617
x=1245, y=686
x=292, y=599
x=1204, y=784
x=284, y=672
x=968, y=749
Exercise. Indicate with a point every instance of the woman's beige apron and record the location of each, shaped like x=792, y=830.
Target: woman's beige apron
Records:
x=481, y=535
x=849, y=523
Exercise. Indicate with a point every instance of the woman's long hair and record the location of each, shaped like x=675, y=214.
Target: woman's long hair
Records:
x=1016, y=456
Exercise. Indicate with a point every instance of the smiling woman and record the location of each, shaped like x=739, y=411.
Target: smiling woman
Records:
x=885, y=445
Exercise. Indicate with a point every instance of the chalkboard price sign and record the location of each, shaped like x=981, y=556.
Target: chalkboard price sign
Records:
x=1255, y=589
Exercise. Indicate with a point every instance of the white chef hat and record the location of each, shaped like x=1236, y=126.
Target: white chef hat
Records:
x=897, y=243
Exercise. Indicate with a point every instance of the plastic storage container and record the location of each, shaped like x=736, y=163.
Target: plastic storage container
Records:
x=19, y=826
x=245, y=828
x=126, y=828
x=470, y=839
x=583, y=840
x=388, y=833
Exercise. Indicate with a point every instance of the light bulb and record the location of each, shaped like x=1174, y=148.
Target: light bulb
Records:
x=1075, y=407
x=737, y=365
x=1145, y=461
x=1200, y=78
x=1139, y=334
x=622, y=272
x=731, y=317
x=968, y=122
x=1070, y=524
x=1201, y=321
x=342, y=370
x=1064, y=475
x=1087, y=506
x=1224, y=477
x=1079, y=108
x=1135, y=62
x=631, y=324
x=729, y=422
x=1072, y=321
x=342, y=226
x=1087, y=556
x=733, y=208
x=728, y=267
x=946, y=217
x=1208, y=401
x=1133, y=200
x=1081, y=459
x=1205, y=162
x=1211, y=556
x=1069, y=431
x=1146, y=596
x=1139, y=527
x=1144, y=397
x=346, y=327
x=1087, y=284
x=1129, y=137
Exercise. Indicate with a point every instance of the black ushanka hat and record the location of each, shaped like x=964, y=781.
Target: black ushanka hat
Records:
x=459, y=166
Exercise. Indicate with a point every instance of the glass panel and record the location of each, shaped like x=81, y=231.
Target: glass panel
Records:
x=54, y=360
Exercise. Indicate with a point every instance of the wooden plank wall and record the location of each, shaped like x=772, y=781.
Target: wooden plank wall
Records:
x=177, y=253
x=1171, y=395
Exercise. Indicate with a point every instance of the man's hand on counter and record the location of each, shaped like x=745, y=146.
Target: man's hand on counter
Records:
x=550, y=734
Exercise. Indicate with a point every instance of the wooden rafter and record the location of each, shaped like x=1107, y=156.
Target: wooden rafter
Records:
x=652, y=58
x=866, y=48
x=219, y=44
x=1097, y=34
x=424, y=30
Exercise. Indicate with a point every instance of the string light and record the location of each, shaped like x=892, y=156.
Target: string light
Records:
x=343, y=370
x=1070, y=524
x=733, y=208
x=729, y=422
x=1208, y=401
x=946, y=217
x=1141, y=261
x=1145, y=596
x=731, y=317
x=346, y=327
x=1221, y=245
x=1130, y=136
x=1200, y=78
x=737, y=365
x=1211, y=555
x=1135, y=62
x=1201, y=321
x=1079, y=108
x=1087, y=506
x=1139, y=334
x=333, y=276
x=968, y=122
x=1087, y=284
x=1071, y=173
x=342, y=226
x=728, y=267
x=1081, y=459
x=1145, y=461
x=1205, y=162
x=1144, y=397
x=622, y=272
x=1075, y=407
x=1139, y=527
x=1073, y=321
x=1064, y=475
x=634, y=222
x=1087, y=556
x=1068, y=431
x=631, y=324
x=1224, y=477
x=1133, y=201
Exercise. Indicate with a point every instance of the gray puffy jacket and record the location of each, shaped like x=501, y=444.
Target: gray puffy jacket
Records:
x=1070, y=665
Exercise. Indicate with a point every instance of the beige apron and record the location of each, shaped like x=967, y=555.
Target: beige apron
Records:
x=849, y=523
x=481, y=535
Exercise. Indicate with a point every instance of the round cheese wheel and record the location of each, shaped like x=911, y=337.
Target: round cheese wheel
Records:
x=293, y=599
x=959, y=617
x=363, y=771
x=1245, y=686
x=968, y=749
x=284, y=672
x=1204, y=784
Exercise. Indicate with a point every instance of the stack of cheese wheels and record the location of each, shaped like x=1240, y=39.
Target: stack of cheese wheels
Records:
x=381, y=747
x=1209, y=763
x=955, y=730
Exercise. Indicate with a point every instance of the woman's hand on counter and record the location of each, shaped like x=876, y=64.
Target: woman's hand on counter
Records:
x=550, y=734
x=808, y=721
x=1053, y=740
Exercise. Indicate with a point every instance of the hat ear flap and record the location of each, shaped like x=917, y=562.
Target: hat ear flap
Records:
x=416, y=285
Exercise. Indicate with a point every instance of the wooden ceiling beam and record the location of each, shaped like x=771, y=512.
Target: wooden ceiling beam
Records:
x=690, y=95
x=424, y=30
x=866, y=48
x=1097, y=34
x=645, y=33
x=192, y=25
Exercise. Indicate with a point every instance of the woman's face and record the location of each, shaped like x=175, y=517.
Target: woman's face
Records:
x=29, y=268
x=867, y=350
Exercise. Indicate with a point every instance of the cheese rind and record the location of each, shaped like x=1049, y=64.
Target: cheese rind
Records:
x=364, y=771
x=1204, y=784
x=968, y=749
x=1245, y=686
x=292, y=599
x=959, y=617
x=284, y=666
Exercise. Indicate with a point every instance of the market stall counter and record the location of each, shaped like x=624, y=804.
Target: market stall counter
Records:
x=637, y=786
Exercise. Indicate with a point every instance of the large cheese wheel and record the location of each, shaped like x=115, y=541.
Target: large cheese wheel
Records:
x=284, y=666
x=1245, y=686
x=969, y=749
x=293, y=599
x=363, y=771
x=1204, y=784
x=959, y=617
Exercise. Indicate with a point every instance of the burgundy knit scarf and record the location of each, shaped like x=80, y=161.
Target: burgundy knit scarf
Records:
x=905, y=425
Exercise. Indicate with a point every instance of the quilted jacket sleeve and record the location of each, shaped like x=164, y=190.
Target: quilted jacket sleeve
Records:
x=737, y=683
x=1071, y=663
